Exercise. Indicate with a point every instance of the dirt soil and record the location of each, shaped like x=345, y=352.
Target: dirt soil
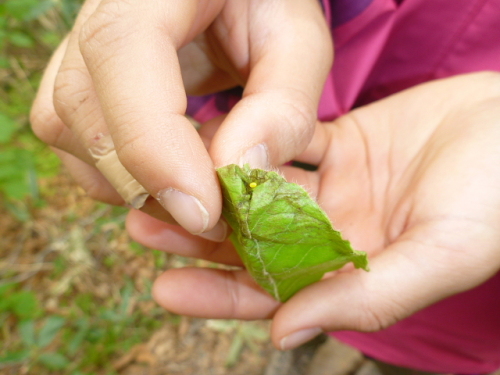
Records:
x=85, y=234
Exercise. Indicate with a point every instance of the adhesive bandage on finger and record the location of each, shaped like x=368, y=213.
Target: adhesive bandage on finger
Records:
x=106, y=160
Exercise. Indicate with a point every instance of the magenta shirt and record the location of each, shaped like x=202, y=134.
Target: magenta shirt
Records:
x=382, y=47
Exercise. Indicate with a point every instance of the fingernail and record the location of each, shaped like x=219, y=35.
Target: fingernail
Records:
x=186, y=210
x=217, y=233
x=257, y=157
x=298, y=338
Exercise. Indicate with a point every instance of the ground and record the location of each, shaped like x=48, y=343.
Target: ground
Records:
x=75, y=299
x=74, y=289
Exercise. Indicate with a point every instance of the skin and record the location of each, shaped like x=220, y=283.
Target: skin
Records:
x=412, y=179
x=127, y=65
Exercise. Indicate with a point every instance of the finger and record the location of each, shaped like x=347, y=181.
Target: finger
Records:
x=98, y=187
x=49, y=127
x=316, y=148
x=140, y=90
x=307, y=179
x=159, y=235
x=76, y=104
x=211, y=293
x=45, y=122
x=199, y=74
x=208, y=129
x=275, y=119
x=409, y=275
x=89, y=179
x=71, y=92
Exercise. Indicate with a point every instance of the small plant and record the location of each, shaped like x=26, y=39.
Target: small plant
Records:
x=29, y=32
x=244, y=333
x=81, y=342
x=33, y=346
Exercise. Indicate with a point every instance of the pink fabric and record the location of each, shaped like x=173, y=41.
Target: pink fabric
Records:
x=207, y=112
x=368, y=33
x=458, y=335
x=382, y=47
x=382, y=51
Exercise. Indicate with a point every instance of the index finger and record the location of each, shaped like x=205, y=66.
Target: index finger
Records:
x=130, y=49
x=290, y=56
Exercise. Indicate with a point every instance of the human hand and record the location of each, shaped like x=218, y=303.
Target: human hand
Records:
x=413, y=179
x=121, y=79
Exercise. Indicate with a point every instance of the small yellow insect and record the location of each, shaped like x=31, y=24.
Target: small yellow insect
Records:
x=252, y=185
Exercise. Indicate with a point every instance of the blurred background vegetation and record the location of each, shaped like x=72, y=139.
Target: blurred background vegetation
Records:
x=75, y=292
x=29, y=31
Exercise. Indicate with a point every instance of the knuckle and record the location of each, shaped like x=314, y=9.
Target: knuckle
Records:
x=299, y=115
x=377, y=316
x=135, y=152
x=372, y=321
x=71, y=91
x=105, y=27
x=45, y=124
x=127, y=148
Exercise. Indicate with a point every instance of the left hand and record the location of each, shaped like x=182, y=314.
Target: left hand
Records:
x=413, y=179
x=113, y=98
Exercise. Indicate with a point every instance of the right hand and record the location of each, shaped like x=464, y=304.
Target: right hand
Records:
x=124, y=72
x=412, y=179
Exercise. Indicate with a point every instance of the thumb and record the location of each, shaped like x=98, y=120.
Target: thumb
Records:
x=289, y=63
x=406, y=277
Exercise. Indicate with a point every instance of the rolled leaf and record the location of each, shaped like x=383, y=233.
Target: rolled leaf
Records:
x=285, y=240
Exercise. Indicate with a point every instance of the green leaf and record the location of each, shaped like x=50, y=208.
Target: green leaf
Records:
x=17, y=209
x=69, y=10
x=24, y=304
x=17, y=173
x=51, y=38
x=5, y=289
x=86, y=302
x=53, y=360
x=27, y=332
x=4, y=62
x=7, y=128
x=283, y=237
x=234, y=351
x=14, y=357
x=78, y=337
x=5, y=303
x=49, y=330
x=27, y=9
x=20, y=39
x=126, y=294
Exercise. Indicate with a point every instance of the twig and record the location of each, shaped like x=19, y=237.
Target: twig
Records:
x=16, y=252
x=19, y=72
x=39, y=265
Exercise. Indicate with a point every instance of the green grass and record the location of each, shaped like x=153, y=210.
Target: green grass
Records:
x=29, y=32
x=81, y=332
x=84, y=333
x=83, y=298
x=84, y=340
